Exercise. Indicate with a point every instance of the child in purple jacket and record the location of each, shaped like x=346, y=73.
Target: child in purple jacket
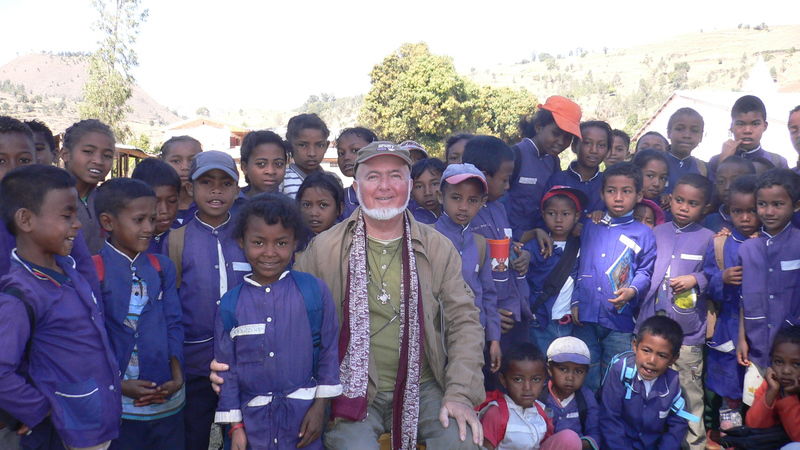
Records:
x=678, y=285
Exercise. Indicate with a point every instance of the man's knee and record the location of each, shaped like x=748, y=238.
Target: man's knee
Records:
x=346, y=434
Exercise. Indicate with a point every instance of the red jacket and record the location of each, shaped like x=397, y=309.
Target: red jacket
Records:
x=784, y=411
x=494, y=420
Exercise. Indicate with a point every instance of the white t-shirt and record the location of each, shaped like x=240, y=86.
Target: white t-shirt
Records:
x=526, y=428
x=561, y=307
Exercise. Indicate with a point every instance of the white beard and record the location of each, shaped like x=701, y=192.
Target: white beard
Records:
x=383, y=213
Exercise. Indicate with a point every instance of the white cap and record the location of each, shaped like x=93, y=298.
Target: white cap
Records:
x=569, y=349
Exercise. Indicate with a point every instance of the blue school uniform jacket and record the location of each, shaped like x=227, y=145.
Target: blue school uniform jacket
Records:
x=159, y=333
x=525, y=195
x=640, y=423
x=477, y=275
x=680, y=167
x=71, y=372
x=679, y=251
x=538, y=271
x=777, y=160
x=350, y=203
x=568, y=417
x=718, y=220
x=205, y=277
x=601, y=246
x=770, y=288
x=491, y=222
x=421, y=214
x=591, y=187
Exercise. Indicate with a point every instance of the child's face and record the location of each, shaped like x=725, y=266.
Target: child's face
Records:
x=166, y=207
x=726, y=174
x=16, y=150
x=551, y=139
x=654, y=179
x=786, y=364
x=794, y=129
x=775, y=208
x=462, y=201
x=686, y=203
x=685, y=134
x=56, y=225
x=748, y=128
x=593, y=148
x=560, y=216
x=743, y=213
x=268, y=249
x=567, y=377
x=265, y=168
x=347, y=148
x=91, y=158
x=308, y=149
x=524, y=381
x=619, y=195
x=131, y=229
x=44, y=154
x=618, y=153
x=214, y=193
x=498, y=183
x=180, y=156
x=456, y=150
x=319, y=209
x=651, y=141
x=425, y=191
x=644, y=215
x=653, y=356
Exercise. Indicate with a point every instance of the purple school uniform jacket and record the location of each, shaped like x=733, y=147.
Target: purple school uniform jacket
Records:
x=640, y=423
x=204, y=278
x=770, y=288
x=679, y=251
x=350, y=203
x=478, y=276
x=270, y=384
x=421, y=214
x=602, y=244
x=512, y=289
x=523, y=199
x=568, y=418
x=72, y=373
x=777, y=160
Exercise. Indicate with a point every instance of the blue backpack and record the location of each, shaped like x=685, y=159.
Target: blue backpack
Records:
x=312, y=297
x=628, y=374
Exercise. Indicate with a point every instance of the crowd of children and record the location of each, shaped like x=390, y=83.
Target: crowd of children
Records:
x=627, y=300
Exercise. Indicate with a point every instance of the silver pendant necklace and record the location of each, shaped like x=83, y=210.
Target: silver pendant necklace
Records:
x=384, y=297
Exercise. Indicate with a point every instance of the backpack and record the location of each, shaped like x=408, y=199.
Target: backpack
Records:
x=11, y=422
x=100, y=268
x=312, y=297
x=702, y=167
x=628, y=375
x=175, y=252
x=712, y=310
x=755, y=438
x=580, y=400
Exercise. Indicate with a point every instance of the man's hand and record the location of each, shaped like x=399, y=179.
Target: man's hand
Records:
x=575, y=319
x=495, y=355
x=623, y=296
x=520, y=263
x=216, y=380
x=314, y=420
x=682, y=283
x=464, y=416
x=506, y=320
x=732, y=275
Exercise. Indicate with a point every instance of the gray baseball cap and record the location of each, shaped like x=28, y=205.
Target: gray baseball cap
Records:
x=213, y=159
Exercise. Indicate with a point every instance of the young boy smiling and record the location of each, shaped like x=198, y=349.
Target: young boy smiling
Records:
x=679, y=282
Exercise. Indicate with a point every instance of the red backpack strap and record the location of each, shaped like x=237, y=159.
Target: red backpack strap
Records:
x=547, y=420
x=99, y=267
x=154, y=262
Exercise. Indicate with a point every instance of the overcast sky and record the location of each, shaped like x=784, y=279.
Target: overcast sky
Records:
x=274, y=54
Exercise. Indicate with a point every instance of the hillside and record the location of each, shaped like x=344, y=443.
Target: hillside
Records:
x=49, y=87
x=626, y=86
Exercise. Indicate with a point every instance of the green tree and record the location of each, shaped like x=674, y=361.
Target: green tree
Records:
x=110, y=83
x=498, y=111
x=142, y=142
x=418, y=95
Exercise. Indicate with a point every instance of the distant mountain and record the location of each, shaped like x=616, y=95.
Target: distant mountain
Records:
x=49, y=87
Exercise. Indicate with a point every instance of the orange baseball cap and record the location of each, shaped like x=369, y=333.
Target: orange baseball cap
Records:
x=566, y=113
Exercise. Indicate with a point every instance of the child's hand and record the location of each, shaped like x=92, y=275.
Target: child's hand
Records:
x=729, y=148
x=239, y=439
x=574, y=311
x=545, y=242
x=216, y=380
x=520, y=263
x=506, y=320
x=311, y=428
x=773, y=386
x=732, y=275
x=577, y=229
x=172, y=386
x=663, y=202
x=793, y=389
x=724, y=231
x=742, y=350
x=495, y=355
x=682, y=283
x=23, y=430
x=597, y=216
x=623, y=296
x=142, y=391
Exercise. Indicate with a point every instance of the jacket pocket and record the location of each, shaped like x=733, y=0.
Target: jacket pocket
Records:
x=81, y=405
x=249, y=342
x=687, y=318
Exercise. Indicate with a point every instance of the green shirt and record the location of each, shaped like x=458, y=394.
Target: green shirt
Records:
x=385, y=267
